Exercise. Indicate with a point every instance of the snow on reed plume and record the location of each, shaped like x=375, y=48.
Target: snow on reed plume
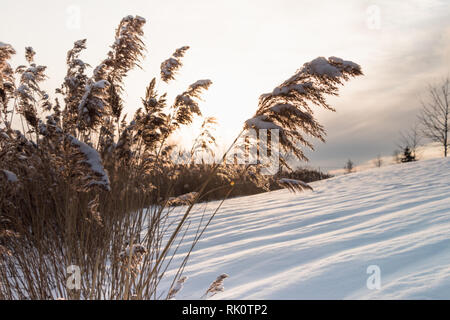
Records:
x=288, y=108
x=170, y=66
x=215, y=287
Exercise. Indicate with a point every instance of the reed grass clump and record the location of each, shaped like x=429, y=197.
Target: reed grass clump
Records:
x=88, y=196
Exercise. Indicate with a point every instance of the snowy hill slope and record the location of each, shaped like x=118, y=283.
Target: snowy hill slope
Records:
x=318, y=245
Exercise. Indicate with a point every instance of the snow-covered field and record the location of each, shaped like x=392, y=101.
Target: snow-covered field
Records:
x=318, y=245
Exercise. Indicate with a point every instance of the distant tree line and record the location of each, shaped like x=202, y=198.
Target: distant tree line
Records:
x=432, y=125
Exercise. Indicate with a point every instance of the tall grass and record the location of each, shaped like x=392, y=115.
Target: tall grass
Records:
x=82, y=187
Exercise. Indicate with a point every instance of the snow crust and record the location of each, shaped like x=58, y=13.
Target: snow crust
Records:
x=93, y=160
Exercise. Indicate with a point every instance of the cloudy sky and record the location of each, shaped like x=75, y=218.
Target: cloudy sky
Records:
x=248, y=47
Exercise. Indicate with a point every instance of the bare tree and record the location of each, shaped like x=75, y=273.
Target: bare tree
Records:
x=378, y=161
x=411, y=139
x=435, y=114
x=397, y=157
x=349, y=166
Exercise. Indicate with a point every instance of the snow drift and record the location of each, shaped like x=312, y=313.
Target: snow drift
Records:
x=318, y=244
